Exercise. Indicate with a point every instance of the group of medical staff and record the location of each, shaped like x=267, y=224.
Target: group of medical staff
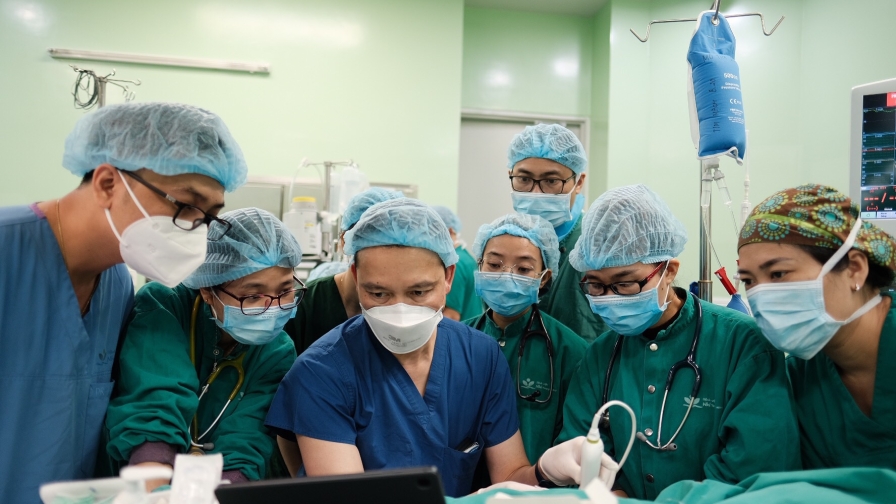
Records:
x=487, y=361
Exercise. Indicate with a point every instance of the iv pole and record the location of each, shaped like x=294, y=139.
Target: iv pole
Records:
x=704, y=283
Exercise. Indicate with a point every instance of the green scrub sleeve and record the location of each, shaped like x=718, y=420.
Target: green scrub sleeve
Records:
x=241, y=434
x=582, y=400
x=758, y=429
x=157, y=383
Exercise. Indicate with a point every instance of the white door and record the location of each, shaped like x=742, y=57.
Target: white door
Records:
x=483, y=187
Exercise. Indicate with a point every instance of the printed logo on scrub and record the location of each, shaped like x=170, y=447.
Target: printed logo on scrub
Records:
x=702, y=402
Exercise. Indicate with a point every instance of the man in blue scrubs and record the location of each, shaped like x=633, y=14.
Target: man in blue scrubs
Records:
x=399, y=385
x=64, y=292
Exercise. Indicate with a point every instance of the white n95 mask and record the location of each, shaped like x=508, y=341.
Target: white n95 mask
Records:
x=792, y=315
x=402, y=328
x=157, y=249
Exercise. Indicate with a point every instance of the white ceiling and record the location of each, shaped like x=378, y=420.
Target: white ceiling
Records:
x=573, y=7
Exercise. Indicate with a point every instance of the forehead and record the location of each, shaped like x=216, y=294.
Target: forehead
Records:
x=395, y=266
x=753, y=255
x=540, y=167
x=272, y=278
x=511, y=248
x=202, y=188
x=608, y=275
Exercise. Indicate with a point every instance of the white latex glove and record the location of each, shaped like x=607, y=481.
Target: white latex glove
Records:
x=599, y=494
x=562, y=464
x=608, y=470
x=512, y=485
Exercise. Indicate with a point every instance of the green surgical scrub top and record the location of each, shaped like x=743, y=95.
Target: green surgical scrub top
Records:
x=539, y=423
x=320, y=311
x=565, y=300
x=462, y=298
x=742, y=422
x=158, y=386
x=834, y=432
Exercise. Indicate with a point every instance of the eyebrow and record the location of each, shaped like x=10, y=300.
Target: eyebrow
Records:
x=422, y=285
x=767, y=264
x=551, y=173
x=624, y=273
x=198, y=197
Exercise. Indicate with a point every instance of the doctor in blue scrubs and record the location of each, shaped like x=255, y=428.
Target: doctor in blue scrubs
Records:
x=400, y=385
x=153, y=176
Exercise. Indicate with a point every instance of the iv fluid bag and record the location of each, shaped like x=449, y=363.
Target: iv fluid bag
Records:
x=714, y=93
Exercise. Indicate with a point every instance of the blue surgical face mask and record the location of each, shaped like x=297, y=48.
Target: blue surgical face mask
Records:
x=257, y=329
x=506, y=293
x=792, y=315
x=554, y=208
x=630, y=315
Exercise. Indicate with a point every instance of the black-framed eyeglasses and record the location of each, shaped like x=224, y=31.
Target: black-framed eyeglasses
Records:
x=256, y=304
x=187, y=217
x=552, y=185
x=621, y=288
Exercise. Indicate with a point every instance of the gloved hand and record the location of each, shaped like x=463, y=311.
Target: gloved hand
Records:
x=512, y=485
x=608, y=470
x=562, y=464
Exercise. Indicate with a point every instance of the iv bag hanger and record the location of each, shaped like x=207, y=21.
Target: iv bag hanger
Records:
x=715, y=20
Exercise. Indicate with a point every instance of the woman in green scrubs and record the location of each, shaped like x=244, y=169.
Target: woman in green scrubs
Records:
x=814, y=273
x=739, y=421
x=517, y=255
x=222, y=328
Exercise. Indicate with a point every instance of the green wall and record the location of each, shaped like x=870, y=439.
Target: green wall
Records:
x=378, y=82
x=527, y=62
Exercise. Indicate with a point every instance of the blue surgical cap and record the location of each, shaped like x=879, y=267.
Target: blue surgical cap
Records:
x=257, y=240
x=448, y=217
x=404, y=222
x=548, y=141
x=531, y=227
x=627, y=225
x=362, y=201
x=327, y=269
x=167, y=138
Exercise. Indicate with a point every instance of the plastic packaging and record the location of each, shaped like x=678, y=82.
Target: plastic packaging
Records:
x=195, y=478
x=302, y=222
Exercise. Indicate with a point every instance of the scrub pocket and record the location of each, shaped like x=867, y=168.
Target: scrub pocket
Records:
x=459, y=470
x=97, y=402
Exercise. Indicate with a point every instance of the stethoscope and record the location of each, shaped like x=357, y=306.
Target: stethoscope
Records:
x=536, y=330
x=197, y=448
x=688, y=362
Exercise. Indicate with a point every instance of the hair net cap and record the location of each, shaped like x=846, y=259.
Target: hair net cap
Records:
x=450, y=218
x=257, y=240
x=548, y=141
x=167, y=138
x=531, y=227
x=405, y=222
x=628, y=225
x=327, y=269
x=364, y=200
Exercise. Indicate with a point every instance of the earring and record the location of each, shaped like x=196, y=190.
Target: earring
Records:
x=858, y=287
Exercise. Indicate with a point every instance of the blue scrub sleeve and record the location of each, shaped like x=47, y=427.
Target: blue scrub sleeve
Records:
x=315, y=400
x=501, y=420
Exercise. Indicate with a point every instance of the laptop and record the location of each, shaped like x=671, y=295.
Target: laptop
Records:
x=419, y=485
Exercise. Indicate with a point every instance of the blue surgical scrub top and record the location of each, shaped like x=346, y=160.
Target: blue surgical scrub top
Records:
x=347, y=388
x=55, y=366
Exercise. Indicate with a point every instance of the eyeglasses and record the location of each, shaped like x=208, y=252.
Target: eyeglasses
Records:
x=187, y=217
x=620, y=288
x=522, y=183
x=497, y=266
x=287, y=300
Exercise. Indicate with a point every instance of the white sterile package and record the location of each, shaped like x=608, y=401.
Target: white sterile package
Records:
x=195, y=479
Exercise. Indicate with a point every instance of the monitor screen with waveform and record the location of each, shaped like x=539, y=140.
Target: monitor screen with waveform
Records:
x=879, y=156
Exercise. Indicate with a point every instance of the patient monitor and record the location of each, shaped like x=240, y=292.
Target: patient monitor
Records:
x=872, y=153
